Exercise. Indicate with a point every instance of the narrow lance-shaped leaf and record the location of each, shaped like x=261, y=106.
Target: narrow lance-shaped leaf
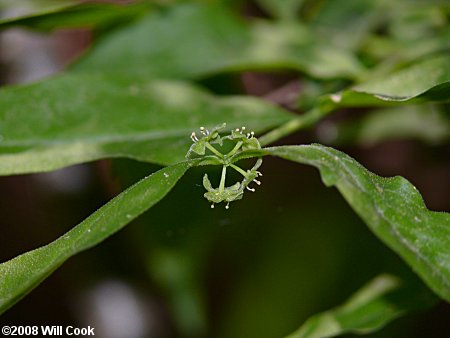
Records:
x=77, y=118
x=376, y=304
x=391, y=207
x=423, y=81
x=23, y=273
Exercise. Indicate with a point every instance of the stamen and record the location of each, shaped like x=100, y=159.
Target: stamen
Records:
x=194, y=137
x=258, y=173
x=237, y=129
x=250, y=189
x=257, y=182
x=248, y=135
x=252, y=133
x=204, y=131
x=212, y=206
x=227, y=206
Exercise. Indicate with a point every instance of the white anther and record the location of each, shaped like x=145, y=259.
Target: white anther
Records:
x=243, y=128
x=252, y=133
x=258, y=173
x=257, y=182
x=250, y=189
x=204, y=131
x=194, y=137
x=212, y=206
x=248, y=135
x=237, y=129
x=227, y=206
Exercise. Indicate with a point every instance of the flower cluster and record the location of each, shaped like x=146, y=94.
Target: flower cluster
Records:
x=205, y=146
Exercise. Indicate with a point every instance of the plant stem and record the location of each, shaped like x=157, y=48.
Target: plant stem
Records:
x=239, y=170
x=236, y=148
x=214, y=150
x=303, y=121
x=222, y=179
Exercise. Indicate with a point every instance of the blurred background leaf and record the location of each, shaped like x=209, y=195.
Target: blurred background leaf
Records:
x=193, y=41
x=425, y=81
x=61, y=14
x=377, y=303
x=432, y=74
x=77, y=118
x=426, y=123
x=28, y=8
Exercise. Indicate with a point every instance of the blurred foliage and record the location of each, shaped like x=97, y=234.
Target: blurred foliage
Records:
x=366, y=311
x=222, y=43
x=68, y=14
x=157, y=70
x=427, y=123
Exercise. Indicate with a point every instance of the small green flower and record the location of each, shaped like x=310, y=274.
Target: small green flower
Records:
x=226, y=194
x=209, y=137
x=243, y=141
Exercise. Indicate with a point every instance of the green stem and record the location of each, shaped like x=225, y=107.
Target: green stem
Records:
x=214, y=150
x=306, y=120
x=235, y=149
x=239, y=170
x=222, y=179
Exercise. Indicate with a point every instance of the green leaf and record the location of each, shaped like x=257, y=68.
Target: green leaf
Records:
x=417, y=19
x=347, y=24
x=391, y=207
x=379, y=302
x=410, y=29
x=90, y=15
x=391, y=53
x=426, y=123
x=13, y=9
x=426, y=80
x=194, y=41
x=77, y=118
x=23, y=273
x=416, y=80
